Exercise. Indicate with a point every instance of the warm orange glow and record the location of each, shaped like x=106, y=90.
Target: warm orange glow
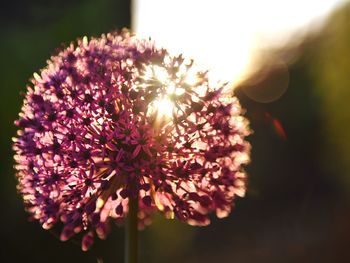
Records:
x=164, y=107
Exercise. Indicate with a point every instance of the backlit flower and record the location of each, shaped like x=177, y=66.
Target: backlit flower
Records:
x=116, y=117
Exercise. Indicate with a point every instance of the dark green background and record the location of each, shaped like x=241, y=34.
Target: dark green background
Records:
x=297, y=206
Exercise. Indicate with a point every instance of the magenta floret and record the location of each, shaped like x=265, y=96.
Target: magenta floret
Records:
x=115, y=117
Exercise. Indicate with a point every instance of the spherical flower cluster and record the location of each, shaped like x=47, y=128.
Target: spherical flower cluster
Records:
x=116, y=118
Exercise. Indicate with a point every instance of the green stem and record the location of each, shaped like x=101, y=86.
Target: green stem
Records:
x=131, y=248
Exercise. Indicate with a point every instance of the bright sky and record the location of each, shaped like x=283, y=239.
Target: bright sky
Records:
x=222, y=34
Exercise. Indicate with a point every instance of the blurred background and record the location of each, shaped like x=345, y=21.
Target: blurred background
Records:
x=291, y=75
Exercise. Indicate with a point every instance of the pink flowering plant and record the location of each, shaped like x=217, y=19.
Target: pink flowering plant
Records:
x=116, y=124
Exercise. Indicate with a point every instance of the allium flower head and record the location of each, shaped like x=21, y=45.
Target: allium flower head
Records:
x=116, y=117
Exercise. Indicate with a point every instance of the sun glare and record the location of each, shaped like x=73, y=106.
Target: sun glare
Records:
x=222, y=35
x=171, y=87
x=164, y=107
x=161, y=74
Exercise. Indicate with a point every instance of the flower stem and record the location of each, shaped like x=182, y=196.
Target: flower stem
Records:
x=131, y=247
